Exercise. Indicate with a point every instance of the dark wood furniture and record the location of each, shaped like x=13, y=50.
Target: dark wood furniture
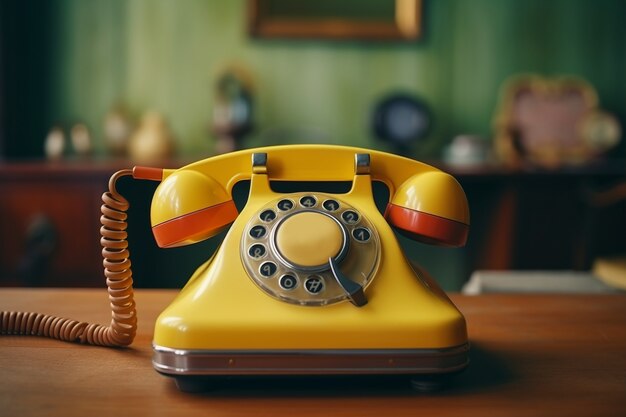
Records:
x=529, y=218
x=66, y=198
x=531, y=355
x=63, y=199
x=521, y=219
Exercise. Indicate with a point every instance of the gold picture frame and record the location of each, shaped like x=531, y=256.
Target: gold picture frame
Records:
x=551, y=122
x=333, y=20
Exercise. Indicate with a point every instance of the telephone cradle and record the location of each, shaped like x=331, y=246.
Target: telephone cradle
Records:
x=304, y=283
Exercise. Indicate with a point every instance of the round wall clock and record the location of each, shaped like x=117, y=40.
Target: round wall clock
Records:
x=401, y=120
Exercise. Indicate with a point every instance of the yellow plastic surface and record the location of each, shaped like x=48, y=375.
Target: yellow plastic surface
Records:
x=222, y=309
x=184, y=192
x=434, y=192
x=308, y=163
x=301, y=232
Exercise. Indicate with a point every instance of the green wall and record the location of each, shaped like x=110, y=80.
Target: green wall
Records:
x=69, y=61
x=163, y=55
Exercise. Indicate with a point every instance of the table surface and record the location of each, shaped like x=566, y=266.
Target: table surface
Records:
x=531, y=355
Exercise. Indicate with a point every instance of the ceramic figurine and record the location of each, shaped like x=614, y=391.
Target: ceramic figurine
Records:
x=81, y=139
x=153, y=141
x=54, y=145
x=232, y=109
x=117, y=130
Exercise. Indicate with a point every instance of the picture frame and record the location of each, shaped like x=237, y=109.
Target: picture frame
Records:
x=551, y=122
x=384, y=20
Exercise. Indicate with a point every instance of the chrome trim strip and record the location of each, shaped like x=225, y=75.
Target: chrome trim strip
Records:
x=361, y=164
x=310, y=362
x=259, y=163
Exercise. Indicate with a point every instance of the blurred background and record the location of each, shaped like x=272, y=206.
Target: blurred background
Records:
x=523, y=101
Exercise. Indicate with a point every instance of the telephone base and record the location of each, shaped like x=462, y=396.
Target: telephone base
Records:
x=203, y=369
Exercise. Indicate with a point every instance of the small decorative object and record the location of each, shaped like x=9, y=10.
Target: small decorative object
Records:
x=232, y=109
x=401, y=120
x=551, y=122
x=600, y=131
x=466, y=150
x=117, y=130
x=81, y=139
x=54, y=145
x=153, y=141
x=41, y=240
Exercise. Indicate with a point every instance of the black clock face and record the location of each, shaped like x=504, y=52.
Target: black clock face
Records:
x=401, y=119
x=405, y=122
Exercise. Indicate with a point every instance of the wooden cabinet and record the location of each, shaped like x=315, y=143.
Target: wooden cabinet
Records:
x=49, y=224
x=50, y=227
x=543, y=219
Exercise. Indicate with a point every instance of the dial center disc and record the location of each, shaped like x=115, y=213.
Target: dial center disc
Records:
x=309, y=238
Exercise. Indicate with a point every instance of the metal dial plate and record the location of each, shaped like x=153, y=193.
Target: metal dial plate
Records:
x=284, y=281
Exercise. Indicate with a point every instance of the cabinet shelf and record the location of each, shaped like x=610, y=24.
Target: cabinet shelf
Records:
x=521, y=219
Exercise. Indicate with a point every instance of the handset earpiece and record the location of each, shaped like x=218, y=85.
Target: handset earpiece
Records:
x=430, y=207
x=188, y=207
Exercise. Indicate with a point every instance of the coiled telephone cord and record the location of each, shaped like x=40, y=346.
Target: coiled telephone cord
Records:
x=117, y=269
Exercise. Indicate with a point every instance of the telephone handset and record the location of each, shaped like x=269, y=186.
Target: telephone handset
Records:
x=304, y=282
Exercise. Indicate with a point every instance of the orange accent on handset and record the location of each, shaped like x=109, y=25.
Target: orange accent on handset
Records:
x=196, y=226
x=427, y=228
x=148, y=173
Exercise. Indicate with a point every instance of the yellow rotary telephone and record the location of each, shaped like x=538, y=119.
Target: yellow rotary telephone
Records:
x=303, y=283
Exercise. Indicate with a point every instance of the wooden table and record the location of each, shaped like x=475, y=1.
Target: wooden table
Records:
x=531, y=355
